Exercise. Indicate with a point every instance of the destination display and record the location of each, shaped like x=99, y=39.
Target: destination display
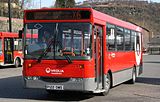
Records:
x=58, y=15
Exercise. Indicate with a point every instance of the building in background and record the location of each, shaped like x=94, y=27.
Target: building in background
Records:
x=16, y=14
x=15, y=7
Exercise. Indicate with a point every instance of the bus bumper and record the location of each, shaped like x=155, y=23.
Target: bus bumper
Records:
x=1, y=63
x=139, y=70
x=66, y=84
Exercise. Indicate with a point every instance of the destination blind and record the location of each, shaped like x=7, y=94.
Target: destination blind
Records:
x=58, y=15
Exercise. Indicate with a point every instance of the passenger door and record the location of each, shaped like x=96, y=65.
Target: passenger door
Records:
x=8, y=51
x=98, y=55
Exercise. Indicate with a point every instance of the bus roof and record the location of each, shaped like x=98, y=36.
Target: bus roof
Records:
x=116, y=21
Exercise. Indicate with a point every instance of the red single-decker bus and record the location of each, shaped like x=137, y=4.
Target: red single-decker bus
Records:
x=79, y=49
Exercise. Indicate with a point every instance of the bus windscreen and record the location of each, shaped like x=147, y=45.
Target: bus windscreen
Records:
x=59, y=15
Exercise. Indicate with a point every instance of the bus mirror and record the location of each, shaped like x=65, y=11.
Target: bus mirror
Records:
x=20, y=33
x=93, y=26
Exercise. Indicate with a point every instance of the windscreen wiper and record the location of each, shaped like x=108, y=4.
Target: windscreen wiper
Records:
x=45, y=51
x=66, y=56
x=57, y=42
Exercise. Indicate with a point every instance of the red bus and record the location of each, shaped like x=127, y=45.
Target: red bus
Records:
x=80, y=49
x=10, y=49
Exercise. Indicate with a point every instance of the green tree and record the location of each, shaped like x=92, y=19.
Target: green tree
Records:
x=65, y=3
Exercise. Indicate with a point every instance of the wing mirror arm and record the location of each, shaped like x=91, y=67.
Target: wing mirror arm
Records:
x=20, y=33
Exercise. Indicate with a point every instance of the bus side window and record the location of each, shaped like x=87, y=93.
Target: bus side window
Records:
x=110, y=38
x=133, y=35
x=127, y=38
x=17, y=44
x=138, y=42
x=119, y=38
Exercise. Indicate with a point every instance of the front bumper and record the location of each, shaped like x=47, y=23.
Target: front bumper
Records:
x=1, y=63
x=84, y=84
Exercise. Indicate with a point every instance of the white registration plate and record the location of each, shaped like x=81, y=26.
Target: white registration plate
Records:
x=54, y=87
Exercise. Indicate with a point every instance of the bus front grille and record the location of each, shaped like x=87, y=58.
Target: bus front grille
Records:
x=54, y=80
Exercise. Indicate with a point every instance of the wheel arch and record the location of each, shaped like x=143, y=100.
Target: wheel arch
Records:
x=110, y=73
x=135, y=67
x=19, y=58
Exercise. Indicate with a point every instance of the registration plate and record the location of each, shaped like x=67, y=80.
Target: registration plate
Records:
x=54, y=87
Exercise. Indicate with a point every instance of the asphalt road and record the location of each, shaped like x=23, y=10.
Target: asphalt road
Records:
x=146, y=89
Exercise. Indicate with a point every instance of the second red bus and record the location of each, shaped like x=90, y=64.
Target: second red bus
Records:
x=10, y=49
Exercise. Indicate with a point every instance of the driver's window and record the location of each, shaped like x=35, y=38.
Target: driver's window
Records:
x=67, y=40
x=76, y=39
x=72, y=40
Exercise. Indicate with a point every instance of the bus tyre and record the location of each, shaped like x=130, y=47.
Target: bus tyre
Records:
x=17, y=63
x=133, y=80
x=107, y=84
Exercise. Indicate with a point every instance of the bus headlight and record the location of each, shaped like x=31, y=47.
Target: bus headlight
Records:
x=32, y=78
x=76, y=79
x=35, y=78
x=28, y=78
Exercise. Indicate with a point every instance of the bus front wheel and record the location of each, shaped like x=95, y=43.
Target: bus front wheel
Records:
x=17, y=63
x=107, y=84
x=133, y=80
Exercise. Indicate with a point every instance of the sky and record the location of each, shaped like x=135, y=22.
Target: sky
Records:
x=48, y=3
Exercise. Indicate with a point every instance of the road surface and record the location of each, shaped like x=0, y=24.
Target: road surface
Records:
x=146, y=89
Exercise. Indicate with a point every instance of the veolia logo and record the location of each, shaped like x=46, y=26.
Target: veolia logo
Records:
x=48, y=70
x=54, y=71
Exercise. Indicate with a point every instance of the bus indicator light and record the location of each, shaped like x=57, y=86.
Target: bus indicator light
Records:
x=29, y=65
x=81, y=66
